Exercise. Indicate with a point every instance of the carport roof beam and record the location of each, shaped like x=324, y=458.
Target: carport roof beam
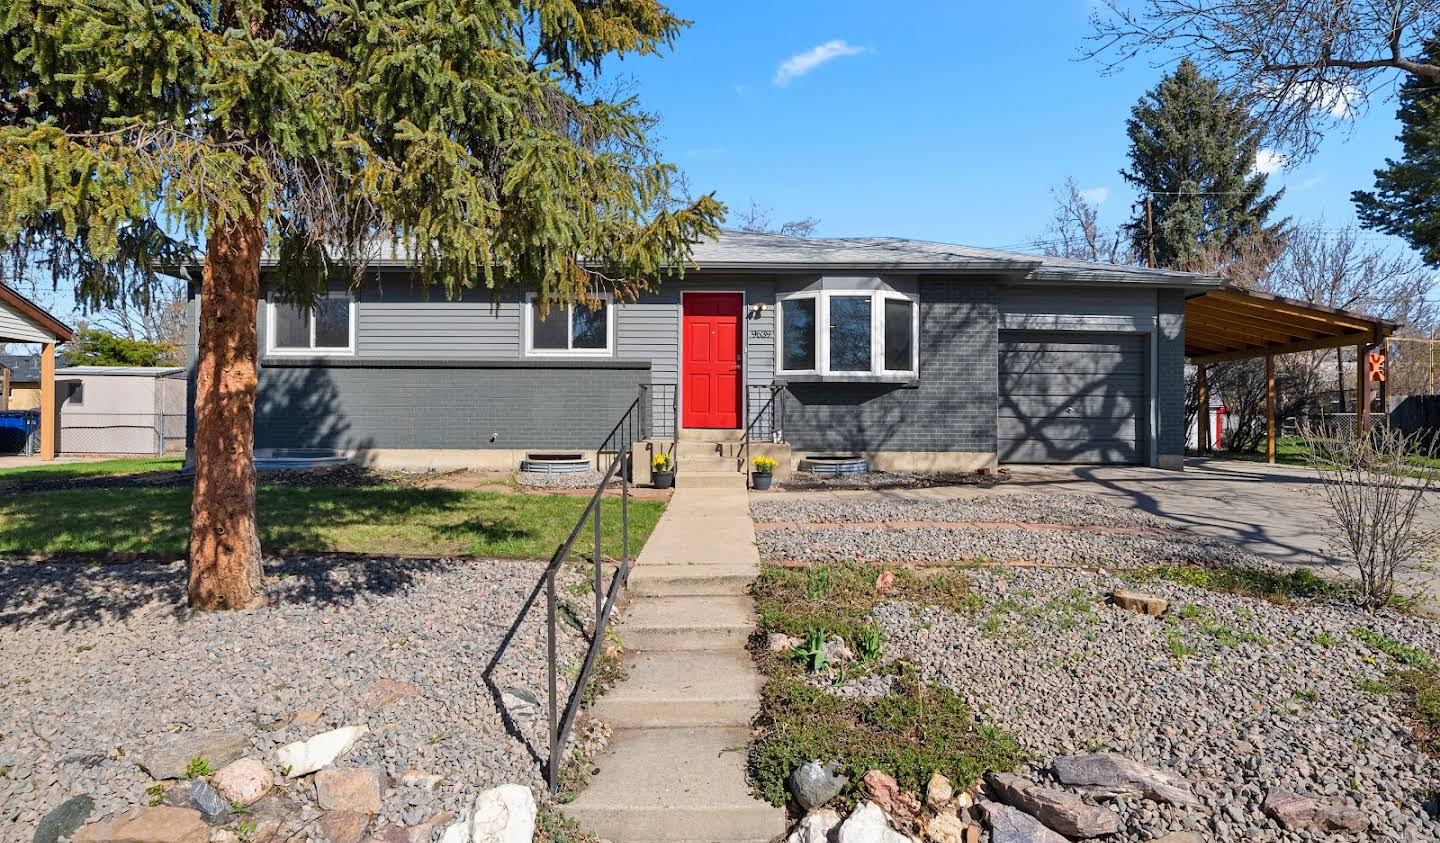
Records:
x=1235, y=324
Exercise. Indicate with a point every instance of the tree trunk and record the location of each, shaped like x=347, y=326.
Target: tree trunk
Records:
x=225, y=570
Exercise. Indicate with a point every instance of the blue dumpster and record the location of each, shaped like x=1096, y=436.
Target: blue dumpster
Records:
x=19, y=430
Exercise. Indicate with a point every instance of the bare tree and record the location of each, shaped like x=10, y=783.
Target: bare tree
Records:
x=1307, y=65
x=758, y=219
x=154, y=314
x=1380, y=488
x=1075, y=230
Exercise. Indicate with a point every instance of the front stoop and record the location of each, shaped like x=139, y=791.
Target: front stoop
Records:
x=675, y=768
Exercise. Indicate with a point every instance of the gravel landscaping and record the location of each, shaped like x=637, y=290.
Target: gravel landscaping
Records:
x=805, y=480
x=102, y=663
x=1069, y=509
x=1235, y=694
x=547, y=480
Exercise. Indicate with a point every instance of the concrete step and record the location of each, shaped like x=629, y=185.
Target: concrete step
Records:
x=675, y=786
x=683, y=689
x=710, y=479
x=674, y=580
x=688, y=623
x=709, y=463
x=706, y=434
x=699, y=450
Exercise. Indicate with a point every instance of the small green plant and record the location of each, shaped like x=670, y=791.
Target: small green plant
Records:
x=764, y=465
x=198, y=768
x=817, y=583
x=246, y=831
x=239, y=810
x=154, y=794
x=1308, y=695
x=1407, y=656
x=812, y=651
x=285, y=770
x=1326, y=639
x=662, y=462
x=868, y=643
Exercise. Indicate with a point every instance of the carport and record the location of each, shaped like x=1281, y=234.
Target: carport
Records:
x=23, y=321
x=1230, y=323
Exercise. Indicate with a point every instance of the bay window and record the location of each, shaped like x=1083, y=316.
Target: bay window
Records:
x=848, y=333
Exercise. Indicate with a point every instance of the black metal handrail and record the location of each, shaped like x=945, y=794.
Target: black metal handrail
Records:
x=776, y=426
x=620, y=442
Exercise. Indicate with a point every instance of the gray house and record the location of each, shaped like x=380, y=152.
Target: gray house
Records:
x=919, y=355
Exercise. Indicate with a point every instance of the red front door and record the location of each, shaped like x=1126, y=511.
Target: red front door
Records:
x=710, y=359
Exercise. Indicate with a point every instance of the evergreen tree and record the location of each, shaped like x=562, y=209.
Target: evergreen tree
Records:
x=463, y=135
x=1403, y=203
x=1192, y=153
x=98, y=347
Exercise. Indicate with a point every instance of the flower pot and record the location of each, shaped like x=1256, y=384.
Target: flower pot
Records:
x=663, y=479
x=761, y=481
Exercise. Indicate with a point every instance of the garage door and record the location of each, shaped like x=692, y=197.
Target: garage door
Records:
x=1072, y=397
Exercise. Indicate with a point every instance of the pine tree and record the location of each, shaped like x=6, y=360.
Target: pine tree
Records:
x=1403, y=203
x=463, y=135
x=1192, y=154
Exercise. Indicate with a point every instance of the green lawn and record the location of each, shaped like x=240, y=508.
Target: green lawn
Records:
x=66, y=470
x=1289, y=451
x=154, y=522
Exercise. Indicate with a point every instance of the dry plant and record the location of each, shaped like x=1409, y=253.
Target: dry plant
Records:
x=1383, y=488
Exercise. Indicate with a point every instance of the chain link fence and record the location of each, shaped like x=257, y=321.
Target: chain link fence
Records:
x=121, y=433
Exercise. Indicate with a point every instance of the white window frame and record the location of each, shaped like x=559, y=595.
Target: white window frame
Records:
x=348, y=351
x=529, y=323
x=877, y=335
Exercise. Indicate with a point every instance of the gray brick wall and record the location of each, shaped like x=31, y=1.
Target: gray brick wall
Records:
x=1170, y=372
x=440, y=404
x=951, y=408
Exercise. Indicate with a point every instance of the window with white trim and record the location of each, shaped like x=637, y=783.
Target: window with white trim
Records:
x=849, y=333
x=326, y=328
x=570, y=329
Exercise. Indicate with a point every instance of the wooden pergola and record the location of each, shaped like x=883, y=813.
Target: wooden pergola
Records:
x=1229, y=323
x=24, y=321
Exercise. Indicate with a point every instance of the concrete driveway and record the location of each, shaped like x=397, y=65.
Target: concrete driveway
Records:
x=1276, y=511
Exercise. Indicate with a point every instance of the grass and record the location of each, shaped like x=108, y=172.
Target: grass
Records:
x=155, y=522
x=1249, y=582
x=909, y=734
x=70, y=470
x=1290, y=450
x=1414, y=680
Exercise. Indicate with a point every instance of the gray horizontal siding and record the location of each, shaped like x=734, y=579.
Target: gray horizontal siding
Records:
x=1069, y=309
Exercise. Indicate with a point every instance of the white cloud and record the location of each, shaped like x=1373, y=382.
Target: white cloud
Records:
x=802, y=63
x=1268, y=162
x=1095, y=195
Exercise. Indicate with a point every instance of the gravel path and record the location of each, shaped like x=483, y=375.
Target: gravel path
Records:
x=100, y=662
x=1072, y=510
x=1254, y=700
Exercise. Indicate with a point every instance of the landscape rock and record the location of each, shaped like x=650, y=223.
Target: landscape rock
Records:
x=357, y=789
x=836, y=650
x=208, y=802
x=939, y=793
x=779, y=642
x=64, y=819
x=272, y=814
x=1295, y=812
x=885, y=581
x=343, y=826
x=948, y=828
x=1139, y=601
x=1108, y=775
x=819, y=826
x=419, y=778
x=243, y=782
x=881, y=789
x=1064, y=812
x=1011, y=825
x=1180, y=837
x=867, y=824
x=170, y=758
x=813, y=784
x=304, y=757
x=504, y=814
x=384, y=691
x=161, y=824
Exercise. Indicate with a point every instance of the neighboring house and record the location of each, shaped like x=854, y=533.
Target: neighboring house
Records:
x=919, y=355
x=24, y=381
x=121, y=409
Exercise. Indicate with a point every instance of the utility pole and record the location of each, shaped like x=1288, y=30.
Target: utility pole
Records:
x=1150, y=229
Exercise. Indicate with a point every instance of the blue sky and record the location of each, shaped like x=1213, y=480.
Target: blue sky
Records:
x=938, y=120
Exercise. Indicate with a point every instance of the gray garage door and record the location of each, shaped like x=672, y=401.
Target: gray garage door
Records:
x=1071, y=397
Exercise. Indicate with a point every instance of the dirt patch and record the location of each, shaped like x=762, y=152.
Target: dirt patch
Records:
x=804, y=481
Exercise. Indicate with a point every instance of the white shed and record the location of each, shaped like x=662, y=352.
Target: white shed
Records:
x=121, y=409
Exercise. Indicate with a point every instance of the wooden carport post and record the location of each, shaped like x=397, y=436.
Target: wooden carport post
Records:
x=47, y=402
x=1270, y=407
x=1362, y=390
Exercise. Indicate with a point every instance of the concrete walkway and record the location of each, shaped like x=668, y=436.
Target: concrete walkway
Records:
x=675, y=769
